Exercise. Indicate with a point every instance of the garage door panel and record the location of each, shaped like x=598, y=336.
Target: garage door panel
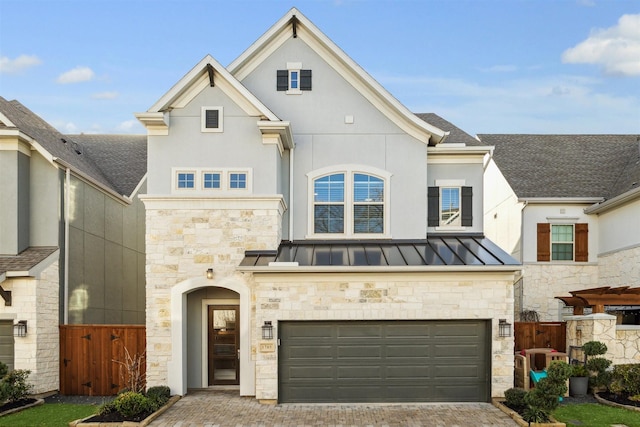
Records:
x=359, y=351
x=384, y=361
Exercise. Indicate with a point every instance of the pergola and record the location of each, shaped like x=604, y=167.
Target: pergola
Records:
x=597, y=298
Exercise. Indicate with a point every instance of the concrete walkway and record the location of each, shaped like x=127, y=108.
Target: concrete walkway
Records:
x=225, y=408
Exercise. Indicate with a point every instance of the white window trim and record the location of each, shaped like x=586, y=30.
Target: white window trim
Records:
x=292, y=67
x=203, y=124
x=349, y=171
x=449, y=183
x=225, y=174
x=573, y=242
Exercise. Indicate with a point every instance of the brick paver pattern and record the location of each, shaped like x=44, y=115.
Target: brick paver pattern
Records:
x=225, y=408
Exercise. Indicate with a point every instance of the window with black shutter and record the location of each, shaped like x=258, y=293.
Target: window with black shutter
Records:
x=450, y=206
x=293, y=81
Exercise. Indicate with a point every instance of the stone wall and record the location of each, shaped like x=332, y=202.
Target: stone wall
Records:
x=425, y=296
x=36, y=301
x=543, y=282
x=622, y=341
x=184, y=238
x=621, y=268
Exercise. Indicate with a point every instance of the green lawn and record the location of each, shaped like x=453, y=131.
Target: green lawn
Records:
x=596, y=415
x=48, y=415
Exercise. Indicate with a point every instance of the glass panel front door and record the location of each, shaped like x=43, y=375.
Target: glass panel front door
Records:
x=224, y=341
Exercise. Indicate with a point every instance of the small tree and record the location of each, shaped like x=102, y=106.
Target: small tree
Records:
x=596, y=364
x=133, y=371
x=544, y=398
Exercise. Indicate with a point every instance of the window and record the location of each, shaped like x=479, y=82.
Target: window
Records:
x=186, y=180
x=329, y=204
x=294, y=79
x=211, y=119
x=368, y=208
x=211, y=180
x=237, y=180
x=450, y=206
x=208, y=180
x=350, y=203
x=563, y=242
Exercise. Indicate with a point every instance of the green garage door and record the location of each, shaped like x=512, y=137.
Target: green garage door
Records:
x=6, y=343
x=384, y=361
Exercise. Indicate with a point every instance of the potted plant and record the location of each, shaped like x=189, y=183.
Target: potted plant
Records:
x=578, y=380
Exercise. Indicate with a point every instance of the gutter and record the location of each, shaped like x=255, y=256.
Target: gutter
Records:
x=560, y=200
x=376, y=270
x=291, y=151
x=614, y=202
x=67, y=209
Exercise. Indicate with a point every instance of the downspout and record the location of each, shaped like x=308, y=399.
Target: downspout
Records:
x=291, y=204
x=65, y=301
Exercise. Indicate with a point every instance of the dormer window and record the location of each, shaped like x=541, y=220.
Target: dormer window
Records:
x=211, y=119
x=294, y=79
x=450, y=205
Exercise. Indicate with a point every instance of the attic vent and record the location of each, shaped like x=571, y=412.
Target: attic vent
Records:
x=76, y=147
x=64, y=141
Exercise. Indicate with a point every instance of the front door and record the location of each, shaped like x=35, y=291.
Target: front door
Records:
x=224, y=342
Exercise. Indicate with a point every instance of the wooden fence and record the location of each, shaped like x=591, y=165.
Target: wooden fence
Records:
x=92, y=357
x=540, y=335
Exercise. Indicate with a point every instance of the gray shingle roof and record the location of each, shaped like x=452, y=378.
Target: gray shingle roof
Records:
x=114, y=163
x=121, y=158
x=457, y=135
x=567, y=165
x=25, y=260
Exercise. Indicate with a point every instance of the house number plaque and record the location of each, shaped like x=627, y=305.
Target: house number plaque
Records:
x=267, y=347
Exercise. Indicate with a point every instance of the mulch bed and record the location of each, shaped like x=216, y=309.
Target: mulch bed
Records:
x=115, y=417
x=16, y=404
x=619, y=398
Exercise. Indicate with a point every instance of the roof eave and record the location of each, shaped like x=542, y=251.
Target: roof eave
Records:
x=559, y=200
x=614, y=202
x=381, y=269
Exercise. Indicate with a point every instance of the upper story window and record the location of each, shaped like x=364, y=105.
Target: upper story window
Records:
x=206, y=180
x=294, y=79
x=450, y=205
x=349, y=203
x=563, y=242
x=211, y=120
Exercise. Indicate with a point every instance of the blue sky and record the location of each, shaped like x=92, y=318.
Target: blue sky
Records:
x=488, y=66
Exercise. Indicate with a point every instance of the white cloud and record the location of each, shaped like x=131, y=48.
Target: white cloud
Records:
x=616, y=49
x=105, y=95
x=77, y=75
x=65, y=127
x=500, y=69
x=130, y=126
x=21, y=63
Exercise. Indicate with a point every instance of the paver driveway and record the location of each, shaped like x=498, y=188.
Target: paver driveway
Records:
x=225, y=408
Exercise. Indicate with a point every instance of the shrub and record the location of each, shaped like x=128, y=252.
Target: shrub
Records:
x=158, y=395
x=535, y=415
x=597, y=365
x=514, y=398
x=131, y=404
x=594, y=348
x=544, y=397
x=579, y=370
x=4, y=369
x=625, y=379
x=14, y=385
x=106, y=408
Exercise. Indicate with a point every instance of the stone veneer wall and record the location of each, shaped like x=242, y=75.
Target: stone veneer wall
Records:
x=622, y=341
x=36, y=301
x=428, y=296
x=184, y=238
x=621, y=268
x=543, y=282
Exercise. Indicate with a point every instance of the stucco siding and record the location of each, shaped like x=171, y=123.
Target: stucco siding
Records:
x=614, y=230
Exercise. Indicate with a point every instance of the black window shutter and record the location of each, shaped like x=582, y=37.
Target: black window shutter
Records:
x=467, y=206
x=305, y=79
x=282, y=80
x=212, y=119
x=433, y=206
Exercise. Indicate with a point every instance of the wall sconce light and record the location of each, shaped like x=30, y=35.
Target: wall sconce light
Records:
x=267, y=330
x=20, y=329
x=210, y=273
x=504, y=328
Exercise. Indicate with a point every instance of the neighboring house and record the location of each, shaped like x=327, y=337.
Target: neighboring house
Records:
x=568, y=207
x=291, y=196
x=71, y=236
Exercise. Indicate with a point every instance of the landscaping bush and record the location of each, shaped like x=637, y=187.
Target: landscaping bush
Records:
x=131, y=404
x=14, y=386
x=599, y=365
x=543, y=399
x=4, y=369
x=158, y=395
x=625, y=379
x=515, y=399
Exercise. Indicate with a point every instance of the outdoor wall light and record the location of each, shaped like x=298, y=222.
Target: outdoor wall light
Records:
x=210, y=273
x=504, y=328
x=20, y=329
x=267, y=330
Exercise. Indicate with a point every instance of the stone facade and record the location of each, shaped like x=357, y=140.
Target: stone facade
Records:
x=36, y=301
x=620, y=268
x=184, y=238
x=622, y=341
x=393, y=296
x=543, y=282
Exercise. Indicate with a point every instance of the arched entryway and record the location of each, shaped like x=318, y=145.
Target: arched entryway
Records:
x=191, y=301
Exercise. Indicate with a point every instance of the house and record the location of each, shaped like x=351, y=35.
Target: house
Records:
x=567, y=207
x=311, y=240
x=71, y=237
